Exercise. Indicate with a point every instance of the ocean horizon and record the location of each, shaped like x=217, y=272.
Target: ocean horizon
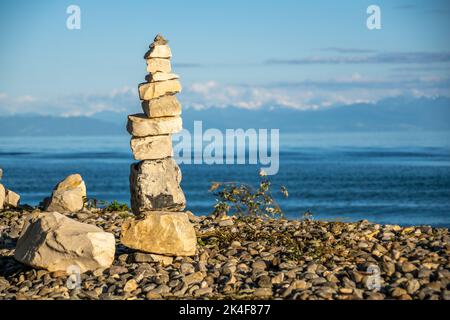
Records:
x=384, y=177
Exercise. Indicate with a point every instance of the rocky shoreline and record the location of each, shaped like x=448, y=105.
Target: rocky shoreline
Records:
x=250, y=258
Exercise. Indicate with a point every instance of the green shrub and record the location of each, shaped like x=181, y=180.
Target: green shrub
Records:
x=242, y=200
x=115, y=206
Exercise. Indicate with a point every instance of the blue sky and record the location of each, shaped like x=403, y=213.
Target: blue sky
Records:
x=299, y=54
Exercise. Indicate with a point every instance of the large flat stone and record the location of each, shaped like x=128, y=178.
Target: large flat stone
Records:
x=68, y=195
x=161, y=76
x=158, y=65
x=155, y=185
x=165, y=106
x=152, y=147
x=152, y=90
x=160, y=232
x=140, y=126
x=54, y=242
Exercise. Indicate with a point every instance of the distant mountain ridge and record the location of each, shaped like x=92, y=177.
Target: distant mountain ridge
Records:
x=394, y=114
x=39, y=125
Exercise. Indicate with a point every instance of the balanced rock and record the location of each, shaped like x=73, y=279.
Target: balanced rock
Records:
x=160, y=232
x=140, y=126
x=158, y=65
x=165, y=106
x=159, y=40
x=155, y=185
x=2, y=196
x=1, y=173
x=152, y=147
x=11, y=200
x=54, y=242
x=158, y=51
x=68, y=195
x=151, y=90
x=160, y=76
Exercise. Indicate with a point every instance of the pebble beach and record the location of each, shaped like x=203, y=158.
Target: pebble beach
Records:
x=249, y=258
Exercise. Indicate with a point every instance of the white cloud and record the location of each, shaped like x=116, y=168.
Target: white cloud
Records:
x=304, y=95
x=307, y=95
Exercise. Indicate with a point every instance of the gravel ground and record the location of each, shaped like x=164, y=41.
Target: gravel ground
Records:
x=251, y=258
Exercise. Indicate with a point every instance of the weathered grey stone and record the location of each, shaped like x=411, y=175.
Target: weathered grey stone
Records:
x=152, y=147
x=160, y=232
x=152, y=90
x=54, y=242
x=140, y=126
x=68, y=195
x=155, y=185
x=165, y=106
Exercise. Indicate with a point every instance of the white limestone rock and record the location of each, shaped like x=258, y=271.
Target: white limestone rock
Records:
x=152, y=147
x=165, y=106
x=140, y=126
x=160, y=232
x=54, y=242
x=68, y=195
x=158, y=65
x=152, y=90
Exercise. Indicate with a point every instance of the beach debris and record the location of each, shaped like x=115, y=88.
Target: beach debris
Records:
x=54, y=242
x=67, y=196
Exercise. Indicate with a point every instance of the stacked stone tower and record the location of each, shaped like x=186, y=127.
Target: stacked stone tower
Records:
x=157, y=200
x=155, y=180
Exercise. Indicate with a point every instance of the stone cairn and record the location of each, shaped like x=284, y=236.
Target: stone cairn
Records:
x=156, y=196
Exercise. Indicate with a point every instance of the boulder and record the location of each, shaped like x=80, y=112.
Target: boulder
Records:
x=158, y=51
x=165, y=106
x=12, y=199
x=155, y=185
x=158, y=65
x=152, y=147
x=140, y=126
x=160, y=232
x=52, y=241
x=2, y=196
x=160, y=76
x=68, y=195
x=152, y=90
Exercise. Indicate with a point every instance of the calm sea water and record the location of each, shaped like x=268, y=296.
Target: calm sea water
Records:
x=401, y=178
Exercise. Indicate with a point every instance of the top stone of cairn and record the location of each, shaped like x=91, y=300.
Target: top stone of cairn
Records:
x=158, y=49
